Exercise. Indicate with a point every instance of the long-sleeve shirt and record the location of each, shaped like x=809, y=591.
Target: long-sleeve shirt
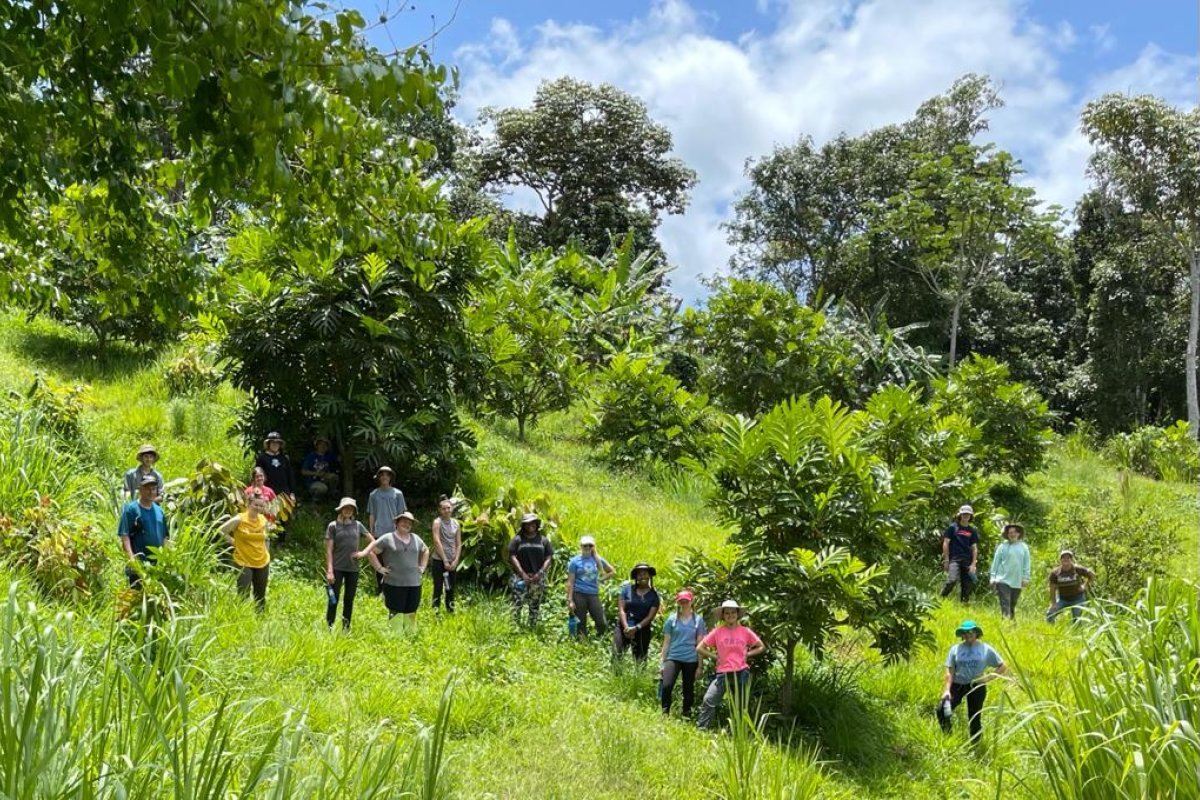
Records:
x=1010, y=564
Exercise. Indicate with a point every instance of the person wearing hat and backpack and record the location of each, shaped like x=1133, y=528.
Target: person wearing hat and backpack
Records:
x=960, y=553
x=384, y=504
x=733, y=645
x=343, y=537
x=584, y=574
x=142, y=525
x=683, y=632
x=637, y=606
x=967, y=677
x=277, y=468
x=1010, y=570
x=147, y=457
x=402, y=559
x=529, y=556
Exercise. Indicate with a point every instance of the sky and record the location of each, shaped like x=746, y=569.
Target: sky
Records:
x=732, y=79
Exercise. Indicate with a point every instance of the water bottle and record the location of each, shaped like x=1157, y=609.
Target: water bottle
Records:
x=946, y=710
x=572, y=624
x=446, y=582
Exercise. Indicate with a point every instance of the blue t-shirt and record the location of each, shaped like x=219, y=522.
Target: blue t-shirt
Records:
x=586, y=570
x=971, y=661
x=145, y=527
x=961, y=538
x=638, y=608
x=685, y=635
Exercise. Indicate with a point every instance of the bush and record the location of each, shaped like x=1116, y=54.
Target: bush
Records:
x=642, y=416
x=59, y=407
x=1013, y=419
x=189, y=374
x=1168, y=454
x=65, y=557
x=490, y=527
x=1125, y=539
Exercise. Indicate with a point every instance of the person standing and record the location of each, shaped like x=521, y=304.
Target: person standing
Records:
x=584, y=573
x=142, y=525
x=384, y=504
x=529, y=556
x=402, y=559
x=147, y=457
x=447, y=544
x=637, y=606
x=1010, y=571
x=966, y=665
x=1068, y=587
x=343, y=537
x=734, y=645
x=960, y=553
x=246, y=533
x=277, y=471
x=682, y=635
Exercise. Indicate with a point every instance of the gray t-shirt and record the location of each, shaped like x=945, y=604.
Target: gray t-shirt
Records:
x=133, y=477
x=969, y=662
x=345, y=537
x=384, y=504
x=402, y=559
x=448, y=534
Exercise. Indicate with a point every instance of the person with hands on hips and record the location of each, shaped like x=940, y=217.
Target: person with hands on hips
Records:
x=967, y=678
x=529, y=555
x=402, y=559
x=960, y=553
x=733, y=644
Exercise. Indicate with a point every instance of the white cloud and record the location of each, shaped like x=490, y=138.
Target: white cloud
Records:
x=825, y=66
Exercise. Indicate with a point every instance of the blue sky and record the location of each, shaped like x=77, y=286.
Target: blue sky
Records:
x=733, y=78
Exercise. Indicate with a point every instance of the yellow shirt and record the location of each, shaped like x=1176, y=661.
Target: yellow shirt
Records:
x=250, y=542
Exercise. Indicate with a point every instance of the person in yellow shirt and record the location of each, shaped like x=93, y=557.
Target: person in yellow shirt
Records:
x=246, y=533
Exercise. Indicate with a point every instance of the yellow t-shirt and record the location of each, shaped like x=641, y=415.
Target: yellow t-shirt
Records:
x=250, y=542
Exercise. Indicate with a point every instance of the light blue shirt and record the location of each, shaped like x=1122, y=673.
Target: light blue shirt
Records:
x=1010, y=564
x=586, y=570
x=969, y=662
x=685, y=635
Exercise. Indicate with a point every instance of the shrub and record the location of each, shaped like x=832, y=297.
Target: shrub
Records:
x=65, y=557
x=490, y=527
x=189, y=374
x=59, y=407
x=1013, y=419
x=212, y=492
x=642, y=416
x=1168, y=454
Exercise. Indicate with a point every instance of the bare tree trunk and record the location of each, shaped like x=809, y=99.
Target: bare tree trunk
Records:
x=1193, y=399
x=954, y=314
x=789, y=678
x=347, y=456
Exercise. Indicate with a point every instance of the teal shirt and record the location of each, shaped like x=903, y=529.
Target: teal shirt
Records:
x=1010, y=564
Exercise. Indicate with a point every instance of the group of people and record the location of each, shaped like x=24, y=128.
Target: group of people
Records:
x=400, y=558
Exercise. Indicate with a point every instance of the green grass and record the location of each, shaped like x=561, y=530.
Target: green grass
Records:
x=534, y=715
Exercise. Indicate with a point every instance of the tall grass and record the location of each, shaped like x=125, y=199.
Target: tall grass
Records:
x=32, y=463
x=1124, y=723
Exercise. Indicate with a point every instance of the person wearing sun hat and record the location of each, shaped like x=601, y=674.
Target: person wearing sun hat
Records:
x=402, y=560
x=683, y=632
x=637, y=606
x=1010, y=572
x=960, y=553
x=967, y=677
x=277, y=467
x=383, y=504
x=147, y=456
x=529, y=557
x=584, y=574
x=733, y=644
x=343, y=537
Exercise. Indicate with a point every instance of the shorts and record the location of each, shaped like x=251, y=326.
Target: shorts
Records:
x=402, y=599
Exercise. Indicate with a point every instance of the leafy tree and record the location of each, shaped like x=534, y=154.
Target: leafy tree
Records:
x=818, y=522
x=521, y=322
x=641, y=416
x=963, y=216
x=1148, y=157
x=598, y=165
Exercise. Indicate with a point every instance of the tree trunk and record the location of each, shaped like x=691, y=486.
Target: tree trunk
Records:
x=789, y=677
x=520, y=427
x=954, y=314
x=347, y=456
x=1193, y=400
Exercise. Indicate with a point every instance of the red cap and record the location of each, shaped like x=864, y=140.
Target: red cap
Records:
x=685, y=595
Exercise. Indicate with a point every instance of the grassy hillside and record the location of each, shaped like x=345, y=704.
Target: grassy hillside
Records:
x=536, y=716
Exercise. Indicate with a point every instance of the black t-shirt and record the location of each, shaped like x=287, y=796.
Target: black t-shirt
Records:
x=637, y=608
x=531, y=553
x=961, y=538
x=278, y=469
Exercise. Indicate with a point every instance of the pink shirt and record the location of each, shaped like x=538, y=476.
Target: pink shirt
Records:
x=731, y=645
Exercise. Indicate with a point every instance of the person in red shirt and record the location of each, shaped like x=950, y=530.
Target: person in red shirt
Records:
x=732, y=644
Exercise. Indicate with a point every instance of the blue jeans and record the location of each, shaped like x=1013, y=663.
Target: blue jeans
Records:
x=1073, y=603
x=716, y=693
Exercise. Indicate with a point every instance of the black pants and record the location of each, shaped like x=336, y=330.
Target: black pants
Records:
x=349, y=580
x=639, y=643
x=975, y=695
x=256, y=578
x=442, y=579
x=671, y=672
x=959, y=572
